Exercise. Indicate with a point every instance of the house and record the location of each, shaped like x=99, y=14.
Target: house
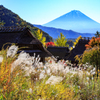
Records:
x=78, y=50
x=59, y=52
x=23, y=37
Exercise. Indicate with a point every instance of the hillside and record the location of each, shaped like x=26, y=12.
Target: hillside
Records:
x=76, y=21
x=55, y=32
x=9, y=18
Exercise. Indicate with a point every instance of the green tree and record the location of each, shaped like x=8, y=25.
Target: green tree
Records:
x=39, y=36
x=61, y=41
x=91, y=56
x=97, y=34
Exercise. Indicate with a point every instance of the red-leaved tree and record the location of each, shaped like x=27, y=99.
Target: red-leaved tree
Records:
x=49, y=44
x=93, y=42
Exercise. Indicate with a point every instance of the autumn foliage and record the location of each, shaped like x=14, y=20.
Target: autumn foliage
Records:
x=93, y=42
x=77, y=40
x=29, y=79
x=49, y=44
x=61, y=41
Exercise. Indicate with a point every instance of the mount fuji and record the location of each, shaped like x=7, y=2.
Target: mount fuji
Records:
x=76, y=21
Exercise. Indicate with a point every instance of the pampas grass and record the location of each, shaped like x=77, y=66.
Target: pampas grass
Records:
x=24, y=77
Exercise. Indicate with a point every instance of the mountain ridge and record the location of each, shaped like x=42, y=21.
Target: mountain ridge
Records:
x=76, y=21
x=55, y=32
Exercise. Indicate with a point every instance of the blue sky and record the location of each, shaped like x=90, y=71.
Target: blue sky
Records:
x=43, y=11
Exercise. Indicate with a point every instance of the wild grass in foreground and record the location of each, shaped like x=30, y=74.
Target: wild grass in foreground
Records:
x=23, y=77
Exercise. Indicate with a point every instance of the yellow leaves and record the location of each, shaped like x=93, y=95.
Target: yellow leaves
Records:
x=9, y=82
x=91, y=55
x=39, y=36
x=71, y=48
x=61, y=41
x=65, y=93
x=4, y=72
x=54, y=92
x=5, y=76
x=76, y=41
x=43, y=40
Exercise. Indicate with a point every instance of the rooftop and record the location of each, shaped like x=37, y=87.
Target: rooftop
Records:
x=12, y=29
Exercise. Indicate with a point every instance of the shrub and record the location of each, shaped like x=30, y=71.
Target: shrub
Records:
x=91, y=56
x=61, y=41
x=93, y=42
x=11, y=83
x=49, y=44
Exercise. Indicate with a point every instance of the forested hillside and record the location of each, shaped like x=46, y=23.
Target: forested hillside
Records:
x=9, y=18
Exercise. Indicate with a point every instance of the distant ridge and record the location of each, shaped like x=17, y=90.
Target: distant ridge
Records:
x=55, y=32
x=76, y=21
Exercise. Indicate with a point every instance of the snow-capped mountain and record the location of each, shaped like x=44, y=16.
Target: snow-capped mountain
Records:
x=76, y=21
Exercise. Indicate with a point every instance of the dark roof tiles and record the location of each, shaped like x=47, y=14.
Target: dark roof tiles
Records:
x=78, y=50
x=12, y=29
x=21, y=36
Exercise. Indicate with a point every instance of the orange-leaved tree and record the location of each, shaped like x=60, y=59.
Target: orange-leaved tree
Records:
x=93, y=42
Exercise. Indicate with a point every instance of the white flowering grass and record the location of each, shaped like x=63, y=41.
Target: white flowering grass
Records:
x=54, y=80
x=1, y=59
x=30, y=90
x=27, y=63
x=42, y=75
x=38, y=78
x=12, y=51
x=32, y=65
